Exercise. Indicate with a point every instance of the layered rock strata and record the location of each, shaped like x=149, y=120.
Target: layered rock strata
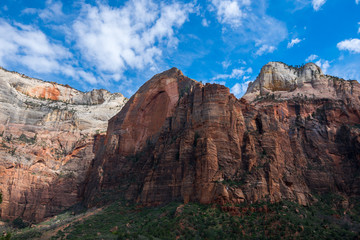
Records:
x=47, y=135
x=179, y=140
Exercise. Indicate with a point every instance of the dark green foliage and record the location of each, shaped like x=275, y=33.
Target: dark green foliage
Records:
x=6, y=237
x=356, y=126
x=183, y=91
x=8, y=138
x=19, y=223
x=283, y=220
x=4, y=145
x=12, y=151
x=25, y=139
x=31, y=234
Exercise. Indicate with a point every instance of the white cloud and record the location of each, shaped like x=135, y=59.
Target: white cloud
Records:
x=51, y=12
x=230, y=11
x=293, y=42
x=311, y=58
x=134, y=36
x=347, y=68
x=30, y=47
x=351, y=45
x=317, y=4
x=323, y=64
x=205, y=22
x=265, y=49
x=246, y=22
x=235, y=74
x=239, y=89
x=357, y=1
x=226, y=64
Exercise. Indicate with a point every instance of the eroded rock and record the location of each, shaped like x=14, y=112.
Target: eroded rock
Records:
x=47, y=135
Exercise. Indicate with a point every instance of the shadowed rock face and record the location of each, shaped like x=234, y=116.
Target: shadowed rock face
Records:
x=180, y=140
x=47, y=135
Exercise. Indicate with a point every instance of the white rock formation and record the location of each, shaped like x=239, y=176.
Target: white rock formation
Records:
x=280, y=81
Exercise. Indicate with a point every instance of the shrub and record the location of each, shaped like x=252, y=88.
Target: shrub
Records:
x=19, y=223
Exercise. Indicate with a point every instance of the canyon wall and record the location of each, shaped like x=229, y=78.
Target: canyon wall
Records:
x=47, y=135
x=295, y=134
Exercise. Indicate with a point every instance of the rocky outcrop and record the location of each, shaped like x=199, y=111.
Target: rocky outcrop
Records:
x=47, y=135
x=180, y=140
x=280, y=81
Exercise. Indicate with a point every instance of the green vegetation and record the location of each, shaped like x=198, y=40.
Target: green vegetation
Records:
x=27, y=234
x=184, y=90
x=325, y=219
x=19, y=223
x=283, y=220
x=25, y=139
x=7, y=236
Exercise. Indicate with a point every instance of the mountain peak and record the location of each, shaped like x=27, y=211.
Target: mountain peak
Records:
x=285, y=82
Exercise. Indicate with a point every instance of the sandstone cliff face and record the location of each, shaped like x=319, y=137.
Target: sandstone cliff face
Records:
x=47, y=136
x=179, y=140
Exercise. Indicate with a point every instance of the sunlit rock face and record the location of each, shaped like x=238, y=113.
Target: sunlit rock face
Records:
x=281, y=81
x=294, y=134
x=47, y=135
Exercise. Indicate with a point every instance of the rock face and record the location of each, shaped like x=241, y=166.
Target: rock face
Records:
x=47, y=135
x=280, y=81
x=180, y=140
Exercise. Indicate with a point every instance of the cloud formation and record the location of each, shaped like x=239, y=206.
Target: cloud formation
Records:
x=31, y=47
x=247, y=22
x=351, y=45
x=239, y=89
x=317, y=4
x=265, y=49
x=311, y=58
x=235, y=74
x=28, y=46
x=323, y=64
x=231, y=12
x=134, y=36
x=51, y=12
x=293, y=42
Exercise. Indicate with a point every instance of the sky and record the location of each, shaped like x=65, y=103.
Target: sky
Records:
x=119, y=45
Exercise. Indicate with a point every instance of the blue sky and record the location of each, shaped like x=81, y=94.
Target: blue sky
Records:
x=118, y=45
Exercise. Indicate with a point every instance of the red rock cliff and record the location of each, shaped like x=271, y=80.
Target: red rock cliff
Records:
x=47, y=135
x=179, y=140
